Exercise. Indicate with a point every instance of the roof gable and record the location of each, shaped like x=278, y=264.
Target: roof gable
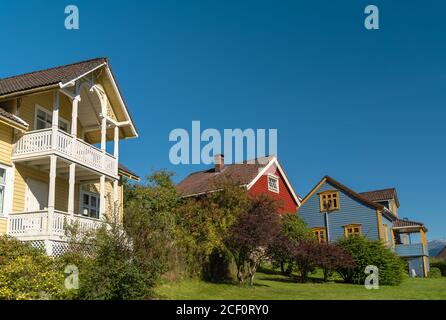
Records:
x=48, y=77
x=246, y=174
x=345, y=189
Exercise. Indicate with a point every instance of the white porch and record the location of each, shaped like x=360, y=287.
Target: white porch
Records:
x=48, y=229
x=42, y=143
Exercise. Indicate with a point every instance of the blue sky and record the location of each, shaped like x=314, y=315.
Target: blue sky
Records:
x=366, y=107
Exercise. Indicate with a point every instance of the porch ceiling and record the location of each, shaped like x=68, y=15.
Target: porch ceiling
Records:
x=83, y=174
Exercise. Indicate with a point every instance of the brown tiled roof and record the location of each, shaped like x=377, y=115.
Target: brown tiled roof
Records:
x=127, y=171
x=48, y=77
x=381, y=195
x=209, y=180
x=13, y=118
x=406, y=223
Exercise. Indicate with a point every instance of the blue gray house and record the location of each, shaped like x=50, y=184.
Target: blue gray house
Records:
x=334, y=211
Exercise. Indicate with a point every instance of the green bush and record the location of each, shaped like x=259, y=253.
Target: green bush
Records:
x=367, y=252
x=28, y=273
x=434, y=272
x=438, y=263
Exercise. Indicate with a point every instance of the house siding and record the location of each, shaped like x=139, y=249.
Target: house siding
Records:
x=351, y=211
x=3, y=222
x=284, y=197
x=6, y=138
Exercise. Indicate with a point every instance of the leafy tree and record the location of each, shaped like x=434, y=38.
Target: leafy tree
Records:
x=366, y=252
x=204, y=224
x=293, y=230
x=251, y=234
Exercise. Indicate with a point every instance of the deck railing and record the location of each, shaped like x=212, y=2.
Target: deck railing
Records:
x=409, y=250
x=36, y=224
x=44, y=142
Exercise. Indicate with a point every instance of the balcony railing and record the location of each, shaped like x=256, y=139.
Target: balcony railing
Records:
x=410, y=250
x=29, y=225
x=45, y=142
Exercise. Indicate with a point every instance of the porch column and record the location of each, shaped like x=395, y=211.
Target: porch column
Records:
x=116, y=147
x=116, y=200
x=102, y=197
x=51, y=192
x=55, y=122
x=103, y=133
x=74, y=112
x=72, y=182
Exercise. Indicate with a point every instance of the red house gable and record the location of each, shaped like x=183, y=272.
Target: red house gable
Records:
x=262, y=176
x=284, y=194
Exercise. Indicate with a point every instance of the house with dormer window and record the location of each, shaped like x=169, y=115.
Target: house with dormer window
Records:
x=56, y=128
x=334, y=211
x=263, y=175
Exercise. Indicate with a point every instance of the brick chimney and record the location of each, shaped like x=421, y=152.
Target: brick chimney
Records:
x=219, y=161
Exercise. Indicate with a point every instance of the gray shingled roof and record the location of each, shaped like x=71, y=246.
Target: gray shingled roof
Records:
x=48, y=77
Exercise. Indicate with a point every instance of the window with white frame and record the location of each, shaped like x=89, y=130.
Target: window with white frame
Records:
x=2, y=190
x=273, y=183
x=90, y=204
x=44, y=120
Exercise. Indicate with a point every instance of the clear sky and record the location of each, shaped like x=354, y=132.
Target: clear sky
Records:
x=365, y=107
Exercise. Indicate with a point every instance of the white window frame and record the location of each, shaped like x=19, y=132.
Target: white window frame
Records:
x=81, y=204
x=48, y=112
x=276, y=178
x=8, y=189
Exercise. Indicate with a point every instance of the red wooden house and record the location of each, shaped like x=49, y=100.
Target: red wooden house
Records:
x=259, y=176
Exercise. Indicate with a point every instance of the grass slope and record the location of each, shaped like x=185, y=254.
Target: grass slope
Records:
x=277, y=287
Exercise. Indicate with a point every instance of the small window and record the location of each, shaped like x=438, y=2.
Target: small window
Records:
x=329, y=201
x=320, y=234
x=90, y=205
x=353, y=230
x=44, y=120
x=273, y=183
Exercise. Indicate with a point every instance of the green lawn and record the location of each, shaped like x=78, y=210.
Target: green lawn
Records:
x=273, y=286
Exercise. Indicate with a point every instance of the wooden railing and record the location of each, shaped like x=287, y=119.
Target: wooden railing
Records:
x=36, y=224
x=44, y=141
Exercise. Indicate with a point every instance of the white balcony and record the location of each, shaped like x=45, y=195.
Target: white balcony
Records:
x=30, y=226
x=44, y=142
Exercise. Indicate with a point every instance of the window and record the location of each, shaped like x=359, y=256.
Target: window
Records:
x=273, y=183
x=2, y=189
x=44, y=120
x=329, y=201
x=321, y=234
x=352, y=230
x=90, y=204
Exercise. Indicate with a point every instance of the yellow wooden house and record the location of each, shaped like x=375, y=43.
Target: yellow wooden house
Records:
x=55, y=166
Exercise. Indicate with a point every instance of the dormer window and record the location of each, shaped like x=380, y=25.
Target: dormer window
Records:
x=329, y=201
x=273, y=183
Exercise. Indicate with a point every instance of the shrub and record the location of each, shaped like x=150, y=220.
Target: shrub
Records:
x=28, y=273
x=367, y=252
x=434, y=272
x=438, y=263
x=111, y=271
